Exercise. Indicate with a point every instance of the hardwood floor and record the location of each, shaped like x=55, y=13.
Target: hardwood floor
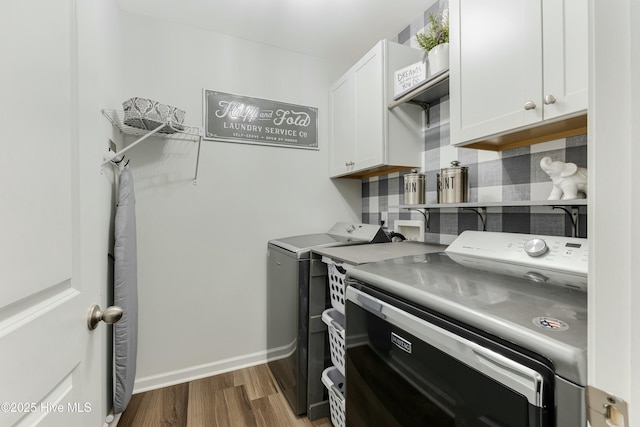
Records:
x=247, y=397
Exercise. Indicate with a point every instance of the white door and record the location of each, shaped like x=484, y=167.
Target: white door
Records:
x=52, y=368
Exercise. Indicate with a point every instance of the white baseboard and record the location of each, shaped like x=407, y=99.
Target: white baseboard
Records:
x=153, y=382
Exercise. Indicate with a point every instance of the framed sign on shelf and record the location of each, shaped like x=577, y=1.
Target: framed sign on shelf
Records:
x=242, y=119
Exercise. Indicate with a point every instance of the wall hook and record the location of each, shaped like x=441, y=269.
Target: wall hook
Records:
x=117, y=162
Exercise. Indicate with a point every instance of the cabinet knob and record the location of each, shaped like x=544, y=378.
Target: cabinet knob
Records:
x=529, y=105
x=549, y=99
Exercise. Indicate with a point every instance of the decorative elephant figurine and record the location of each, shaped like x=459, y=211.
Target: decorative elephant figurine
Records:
x=568, y=179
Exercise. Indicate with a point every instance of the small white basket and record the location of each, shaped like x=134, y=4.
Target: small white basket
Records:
x=335, y=323
x=335, y=384
x=336, y=275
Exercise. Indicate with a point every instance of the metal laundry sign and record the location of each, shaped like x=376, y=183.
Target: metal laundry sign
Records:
x=235, y=118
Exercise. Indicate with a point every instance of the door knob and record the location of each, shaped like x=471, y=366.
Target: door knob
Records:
x=549, y=99
x=529, y=105
x=109, y=315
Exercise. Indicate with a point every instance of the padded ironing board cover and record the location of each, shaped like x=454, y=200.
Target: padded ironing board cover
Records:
x=125, y=293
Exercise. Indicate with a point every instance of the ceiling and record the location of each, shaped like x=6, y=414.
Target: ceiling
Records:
x=340, y=30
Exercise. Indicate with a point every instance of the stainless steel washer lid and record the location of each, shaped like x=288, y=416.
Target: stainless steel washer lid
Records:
x=546, y=319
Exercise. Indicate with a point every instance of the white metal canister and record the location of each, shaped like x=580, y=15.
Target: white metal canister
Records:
x=414, y=188
x=453, y=184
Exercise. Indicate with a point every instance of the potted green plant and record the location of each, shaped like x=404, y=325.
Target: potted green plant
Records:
x=434, y=40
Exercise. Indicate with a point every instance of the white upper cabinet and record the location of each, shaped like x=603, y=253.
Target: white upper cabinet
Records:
x=366, y=138
x=518, y=70
x=565, y=57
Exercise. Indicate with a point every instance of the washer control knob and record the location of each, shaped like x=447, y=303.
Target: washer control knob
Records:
x=351, y=228
x=535, y=247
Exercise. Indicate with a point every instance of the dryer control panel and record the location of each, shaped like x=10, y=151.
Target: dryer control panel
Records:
x=537, y=256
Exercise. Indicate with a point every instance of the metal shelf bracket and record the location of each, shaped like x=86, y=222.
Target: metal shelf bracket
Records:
x=570, y=207
x=426, y=107
x=573, y=216
x=425, y=214
x=482, y=213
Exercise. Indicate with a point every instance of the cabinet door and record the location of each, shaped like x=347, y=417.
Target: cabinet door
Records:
x=342, y=123
x=364, y=136
x=369, y=109
x=565, y=30
x=496, y=66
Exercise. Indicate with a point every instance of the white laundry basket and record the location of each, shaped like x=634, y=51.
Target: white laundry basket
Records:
x=335, y=323
x=335, y=384
x=336, y=275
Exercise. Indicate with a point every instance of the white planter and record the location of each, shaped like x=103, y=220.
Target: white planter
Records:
x=438, y=58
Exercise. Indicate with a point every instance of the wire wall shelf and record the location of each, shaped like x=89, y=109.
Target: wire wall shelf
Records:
x=172, y=131
x=169, y=130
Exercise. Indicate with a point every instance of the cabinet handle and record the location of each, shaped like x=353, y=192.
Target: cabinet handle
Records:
x=347, y=164
x=529, y=105
x=549, y=99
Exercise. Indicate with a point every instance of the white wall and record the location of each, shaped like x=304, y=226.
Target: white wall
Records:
x=614, y=201
x=202, y=248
